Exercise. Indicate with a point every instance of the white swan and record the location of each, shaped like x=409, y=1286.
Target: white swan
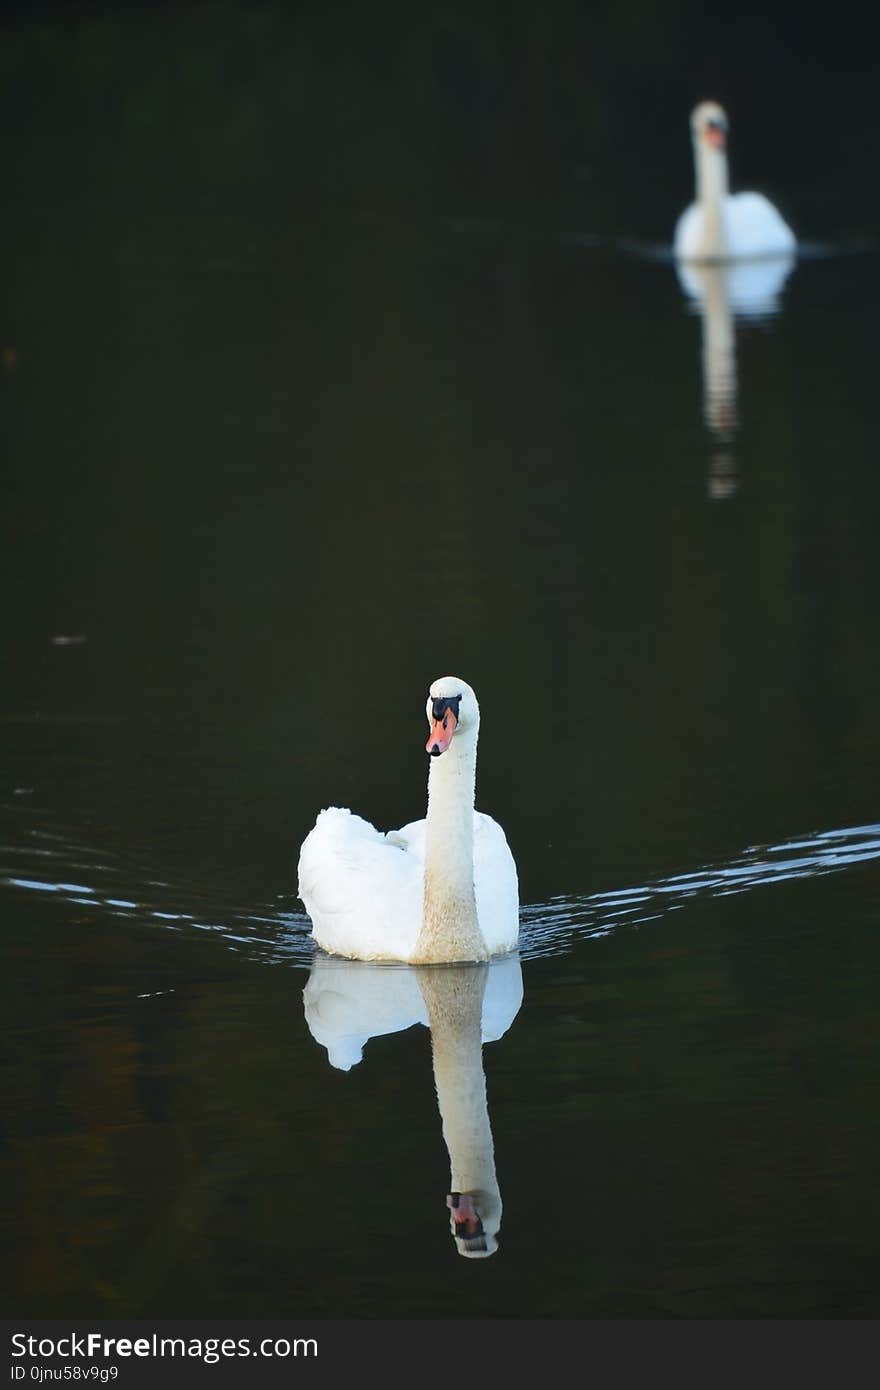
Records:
x=720, y=226
x=440, y=889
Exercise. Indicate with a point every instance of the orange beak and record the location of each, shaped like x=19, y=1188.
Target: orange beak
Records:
x=715, y=136
x=441, y=733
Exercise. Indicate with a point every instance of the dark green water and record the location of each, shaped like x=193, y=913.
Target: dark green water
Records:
x=307, y=402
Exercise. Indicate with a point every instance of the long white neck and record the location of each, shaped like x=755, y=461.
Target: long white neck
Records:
x=450, y=929
x=454, y=1001
x=712, y=190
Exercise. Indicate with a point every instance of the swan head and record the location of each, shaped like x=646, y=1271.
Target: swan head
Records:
x=452, y=712
x=709, y=126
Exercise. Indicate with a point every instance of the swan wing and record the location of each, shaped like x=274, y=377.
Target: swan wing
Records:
x=755, y=228
x=496, y=885
x=686, y=241
x=362, y=889
x=411, y=838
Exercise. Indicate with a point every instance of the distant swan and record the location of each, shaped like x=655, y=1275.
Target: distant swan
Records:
x=720, y=226
x=440, y=889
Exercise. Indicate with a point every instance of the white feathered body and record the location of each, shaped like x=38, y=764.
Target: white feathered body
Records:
x=364, y=891
x=751, y=228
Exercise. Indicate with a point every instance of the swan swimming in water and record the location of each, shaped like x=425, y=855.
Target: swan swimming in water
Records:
x=441, y=889
x=720, y=226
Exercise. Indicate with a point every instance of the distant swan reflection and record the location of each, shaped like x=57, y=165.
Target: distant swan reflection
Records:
x=723, y=293
x=348, y=1002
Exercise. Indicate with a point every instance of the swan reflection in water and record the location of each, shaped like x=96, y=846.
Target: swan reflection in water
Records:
x=722, y=293
x=348, y=1002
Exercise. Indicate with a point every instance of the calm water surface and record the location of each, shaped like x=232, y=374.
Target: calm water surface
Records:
x=276, y=462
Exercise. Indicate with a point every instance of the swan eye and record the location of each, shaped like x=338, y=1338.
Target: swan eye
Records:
x=440, y=705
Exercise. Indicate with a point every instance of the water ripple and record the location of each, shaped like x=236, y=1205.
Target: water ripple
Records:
x=550, y=928
x=278, y=931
